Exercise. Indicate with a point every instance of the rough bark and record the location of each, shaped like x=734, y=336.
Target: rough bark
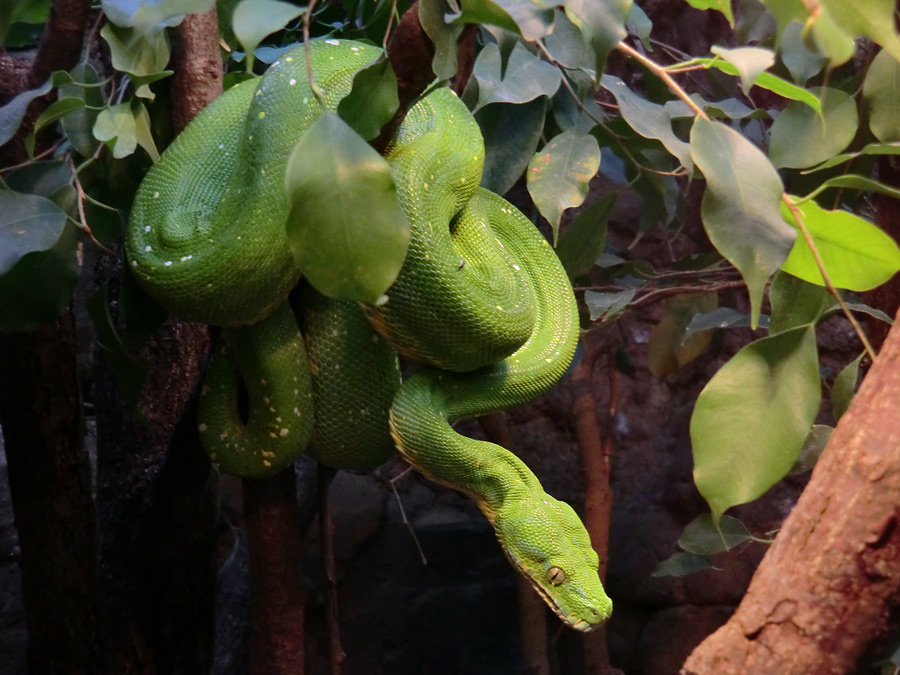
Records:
x=195, y=45
x=277, y=600
x=49, y=476
x=155, y=484
x=829, y=584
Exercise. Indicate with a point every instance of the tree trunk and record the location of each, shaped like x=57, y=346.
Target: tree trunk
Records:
x=829, y=584
x=156, y=495
x=49, y=477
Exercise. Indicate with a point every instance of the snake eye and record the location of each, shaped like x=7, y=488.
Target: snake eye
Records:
x=556, y=576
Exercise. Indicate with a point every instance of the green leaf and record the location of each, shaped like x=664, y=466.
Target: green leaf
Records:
x=800, y=60
x=115, y=126
x=142, y=130
x=603, y=24
x=723, y=6
x=28, y=223
x=813, y=446
x=800, y=138
x=21, y=11
x=648, y=119
x=253, y=20
x=640, y=24
x=585, y=238
x=881, y=89
x=511, y=133
x=844, y=387
x=529, y=18
x=565, y=43
x=767, y=81
x=605, y=306
x=855, y=182
x=51, y=179
x=669, y=349
x=78, y=125
x=741, y=206
x=526, y=77
x=796, y=303
x=558, y=176
x=136, y=54
x=856, y=254
x=373, y=99
x=681, y=564
x=347, y=230
x=443, y=36
x=830, y=39
x=750, y=62
x=786, y=11
x=752, y=418
x=873, y=19
x=12, y=113
x=703, y=536
x=869, y=149
x=721, y=317
x=38, y=266
x=148, y=16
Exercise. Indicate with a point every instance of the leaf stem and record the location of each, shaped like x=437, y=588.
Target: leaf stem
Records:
x=807, y=235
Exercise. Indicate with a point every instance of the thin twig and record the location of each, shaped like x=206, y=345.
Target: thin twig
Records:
x=317, y=92
x=664, y=75
x=807, y=235
x=403, y=514
x=390, y=24
x=40, y=155
x=83, y=225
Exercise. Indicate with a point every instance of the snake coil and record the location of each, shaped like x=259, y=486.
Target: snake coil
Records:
x=481, y=300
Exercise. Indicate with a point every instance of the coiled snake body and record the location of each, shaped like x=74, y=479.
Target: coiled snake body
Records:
x=481, y=299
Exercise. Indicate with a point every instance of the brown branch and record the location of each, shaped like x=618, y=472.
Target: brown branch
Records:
x=830, y=584
x=595, y=450
x=198, y=77
x=277, y=601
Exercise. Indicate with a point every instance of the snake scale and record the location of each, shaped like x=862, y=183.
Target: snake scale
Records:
x=481, y=301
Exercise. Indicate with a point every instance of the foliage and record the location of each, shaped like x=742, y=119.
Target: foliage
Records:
x=776, y=134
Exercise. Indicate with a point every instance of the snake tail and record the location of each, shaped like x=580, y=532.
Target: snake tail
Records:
x=269, y=360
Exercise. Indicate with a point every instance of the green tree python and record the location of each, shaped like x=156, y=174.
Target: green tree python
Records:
x=481, y=301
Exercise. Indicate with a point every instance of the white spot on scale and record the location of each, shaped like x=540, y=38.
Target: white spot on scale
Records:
x=263, y=382
x=201, y=428
x=147, y=249
x=292, y=82
x=134, y=263
x=335, y=43
x=354, y=49
x=515, y=267
x=146, y=228
x=221, y=146
x=155, y=195
x=284, y=432
x=289, y=60
x=168, y=263
x=335, y=332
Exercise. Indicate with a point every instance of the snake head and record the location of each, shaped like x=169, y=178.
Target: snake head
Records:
x=546, y=541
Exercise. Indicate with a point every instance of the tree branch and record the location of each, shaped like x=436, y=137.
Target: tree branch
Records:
x=831, y=581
